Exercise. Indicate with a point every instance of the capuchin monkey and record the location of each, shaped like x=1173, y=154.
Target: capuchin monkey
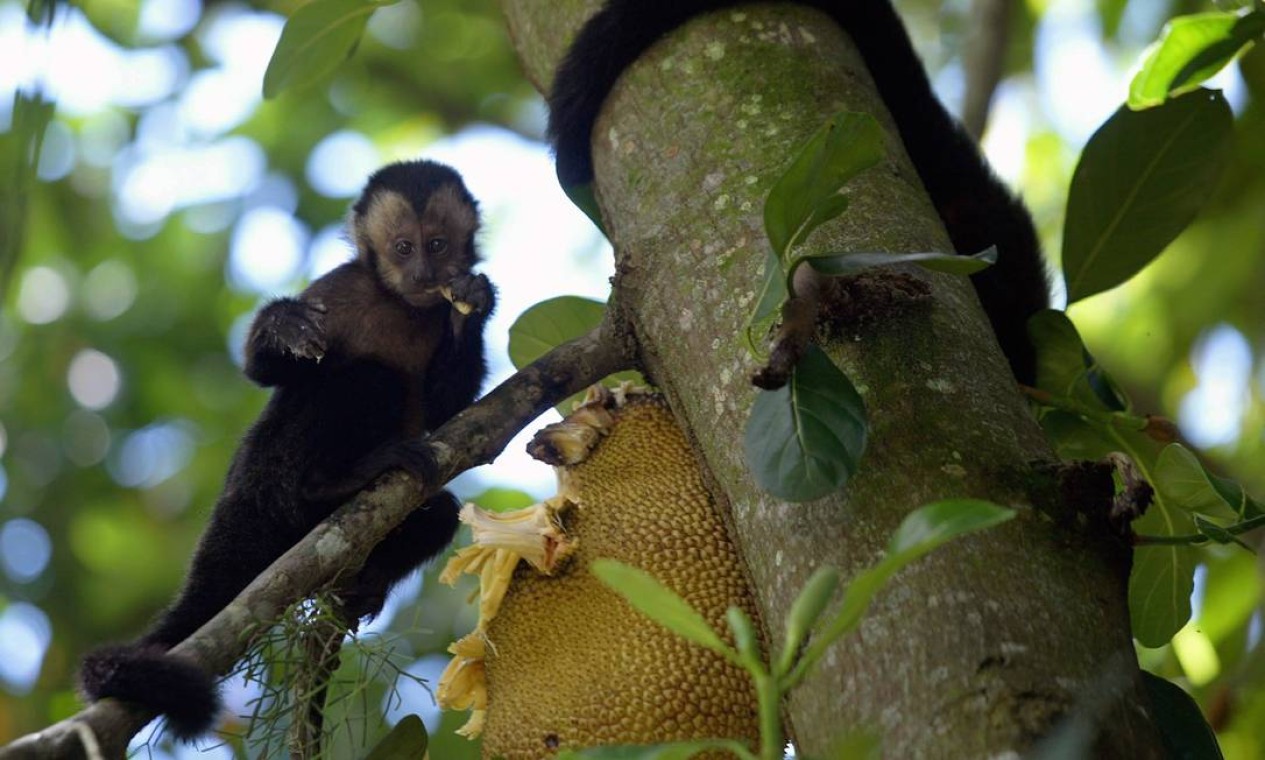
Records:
x=977, y=209
x=364, y=362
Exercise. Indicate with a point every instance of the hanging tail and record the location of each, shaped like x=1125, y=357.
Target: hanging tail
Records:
x=147, y=676
x=977, y=209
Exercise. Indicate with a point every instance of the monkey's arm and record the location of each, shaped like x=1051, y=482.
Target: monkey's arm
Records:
x=456, y=373
x=287, y=340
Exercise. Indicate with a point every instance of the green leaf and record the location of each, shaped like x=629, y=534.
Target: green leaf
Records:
x=315, y=42
x=745, y=638
x=1243, y=504
x=805, y=611
x=500, y=499
x=553, y=322
x=1181, y=479
x=807, y=194
x=804, y=440
x=850, y=263
x=1074, y=438
x=585, y=200
x=1183, y=730
x=1141, y=179
x=408, y=740
x=773, y=294
x=1160, y=585
x=928, y=527
x=1191, y=50
x=673, y=751
x=660, y=604
x=1066, y=368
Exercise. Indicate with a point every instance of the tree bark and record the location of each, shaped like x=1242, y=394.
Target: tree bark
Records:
x=988, y=644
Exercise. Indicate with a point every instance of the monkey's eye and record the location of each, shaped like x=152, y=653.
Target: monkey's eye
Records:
x=436, y=245
x=404, y=247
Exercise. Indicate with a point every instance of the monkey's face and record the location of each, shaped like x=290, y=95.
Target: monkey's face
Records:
x=417, y=252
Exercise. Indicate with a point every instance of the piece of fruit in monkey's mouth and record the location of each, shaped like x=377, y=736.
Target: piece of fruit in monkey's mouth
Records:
x=462, y=306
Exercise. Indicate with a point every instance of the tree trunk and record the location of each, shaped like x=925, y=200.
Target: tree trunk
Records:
x=988, y=644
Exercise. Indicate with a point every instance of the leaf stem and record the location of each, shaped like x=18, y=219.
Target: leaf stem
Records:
x=1066, y=404
x=769, y=699
x=1192, y=539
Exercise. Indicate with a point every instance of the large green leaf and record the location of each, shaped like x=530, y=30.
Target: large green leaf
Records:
x=657, y=602
x=315, y=42
x=1192, y=49
x=407, y=741
x=852, y=263
x=804, y=440
x=586, y=200
x=746, y=639
x=551, y=323
x=1065, y=367
x=1183, y=730
x=1141, y=179
x=1181, y=478
x=772, y=294
x=805, y=611
x=807, y=194
x=1162, y=579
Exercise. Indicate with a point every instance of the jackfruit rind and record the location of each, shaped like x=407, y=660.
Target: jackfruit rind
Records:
x=570, y=664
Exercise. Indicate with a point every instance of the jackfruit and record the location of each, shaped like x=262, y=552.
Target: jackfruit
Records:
x=567, y=662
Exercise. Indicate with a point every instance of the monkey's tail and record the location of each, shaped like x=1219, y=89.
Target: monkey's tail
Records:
x=146, y=675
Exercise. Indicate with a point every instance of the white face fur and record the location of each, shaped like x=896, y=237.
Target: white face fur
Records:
x=417, y=255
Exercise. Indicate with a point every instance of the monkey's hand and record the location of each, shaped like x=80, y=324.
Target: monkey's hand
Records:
x=471, y=294
x=286, y=334
x=294, y=327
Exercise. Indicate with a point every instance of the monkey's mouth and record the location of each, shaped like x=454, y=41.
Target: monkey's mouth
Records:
x=425, y=297
x=436, y=294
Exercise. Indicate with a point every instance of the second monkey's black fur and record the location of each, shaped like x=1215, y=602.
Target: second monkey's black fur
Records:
x=977, y=209
x=363, y=362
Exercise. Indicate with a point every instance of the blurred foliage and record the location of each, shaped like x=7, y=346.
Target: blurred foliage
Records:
x=122, y=487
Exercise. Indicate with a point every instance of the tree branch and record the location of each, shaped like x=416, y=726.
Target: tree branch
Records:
x=339, y=545
x=985, y=59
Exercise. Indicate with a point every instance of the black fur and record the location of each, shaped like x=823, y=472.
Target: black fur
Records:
x=360, y=374
x=977, y=209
